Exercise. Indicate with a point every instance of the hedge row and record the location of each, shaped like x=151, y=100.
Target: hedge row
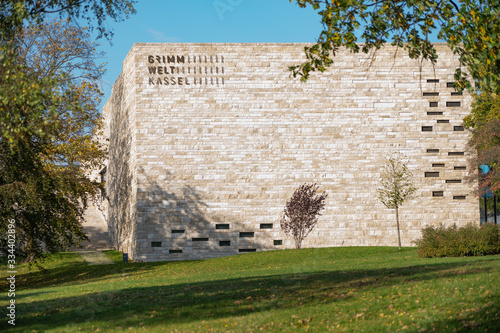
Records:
x=470, y=240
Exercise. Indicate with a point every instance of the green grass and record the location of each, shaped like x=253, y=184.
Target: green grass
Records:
x=371, y=289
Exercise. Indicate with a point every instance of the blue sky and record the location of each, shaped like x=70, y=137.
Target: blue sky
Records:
x=207, y=21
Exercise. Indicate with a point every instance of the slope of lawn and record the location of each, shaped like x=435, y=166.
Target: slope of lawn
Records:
x=362, y=289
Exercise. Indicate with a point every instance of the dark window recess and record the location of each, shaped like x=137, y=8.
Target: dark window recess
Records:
x=433, y=150
x=459, y=197
x=426, y=128
x=456, y=153
x=437, y=193
x=174, y=251
x=224, y=243
x=247, y=234
x=458, y=128
x=432, y=80
x=456, y=93
x=453, y=104
x=443, y=121
x=266, y=225
x=433, y=104
x=222, y=226
x=201, y=239
x=460, y=168
x=432, y=174
x=178, y=231
x=453, y=181
x=155, y=244
x=247, y=250
x=278, y=242
x=449, y=84
x=438, y=165
x=434, y=93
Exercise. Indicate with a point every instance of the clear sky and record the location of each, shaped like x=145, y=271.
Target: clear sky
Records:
x=208, y=21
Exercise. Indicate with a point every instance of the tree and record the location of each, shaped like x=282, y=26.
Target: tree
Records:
x=48, y=116
x=301, y=212
x=469, y=27
x=397, y=187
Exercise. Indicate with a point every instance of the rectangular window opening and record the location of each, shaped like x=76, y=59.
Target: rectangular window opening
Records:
x=458, y=128
x=200, y=239
x=433, y=93
x=453, y=181
x=433, y=105
x=247, y=234
x=456, y=153
x=174, y=251
x=178, y=231
x=460, y=168
x=453, y=104
x=222, y=226
x=432, y=174
x=437, y=193
x=456, y=93
x=433, y=150
x=247, y=250
x=459, y=197
x=155, y=244
x=225, y=243
x=278, y=242
x=438, y=165
x=432, y=80
x=449, y=84
x=266, y=225
x=443, y=121
x=426, y=128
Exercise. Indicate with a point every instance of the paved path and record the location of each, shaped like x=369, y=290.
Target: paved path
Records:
x=95, y=257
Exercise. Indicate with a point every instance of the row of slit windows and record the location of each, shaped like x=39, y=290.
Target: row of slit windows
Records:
x=431, y=128
x=452, y=104
x=441, y=194
x=276, y=242
x=450, y=153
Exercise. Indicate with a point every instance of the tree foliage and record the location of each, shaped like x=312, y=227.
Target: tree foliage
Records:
x=396, y=187
x=469, y=27
x=301, y=212
x=48, y=119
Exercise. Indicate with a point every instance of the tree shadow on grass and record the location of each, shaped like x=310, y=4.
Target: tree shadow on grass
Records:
x=166, y=305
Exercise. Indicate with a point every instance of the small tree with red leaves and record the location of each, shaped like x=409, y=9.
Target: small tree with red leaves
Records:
x=301, y=212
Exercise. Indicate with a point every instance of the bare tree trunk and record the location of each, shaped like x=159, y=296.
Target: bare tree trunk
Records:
x=397, y=222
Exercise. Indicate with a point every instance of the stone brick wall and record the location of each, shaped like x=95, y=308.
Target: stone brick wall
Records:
x=208, y=141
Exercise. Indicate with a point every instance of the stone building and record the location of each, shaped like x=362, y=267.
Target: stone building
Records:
x=208, y=141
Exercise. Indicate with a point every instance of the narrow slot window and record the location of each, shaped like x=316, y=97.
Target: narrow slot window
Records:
x=433, y=151
x=453, y=181
x=200, y=239
x=178, y=231
x=174, y=251
x=456, y=93
x=449, y=84
x=431, y=174
x=266, y=225
x=435, y=113
x=437, y=193
x=459, y=197
x=432, y=80
x=433, y=93
x=222, y=226
x=278, y=242
x=155, y=244
x=225, y=243
x=458, y=128
x=426, y=128
x=460, y=168
x=246, y=234
x=443, y=121
x=247, y=250
x=433, y=104
x=453, y=104
x=456, y=153
x=438, y=165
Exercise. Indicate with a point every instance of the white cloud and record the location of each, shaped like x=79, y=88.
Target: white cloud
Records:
x=160, y=36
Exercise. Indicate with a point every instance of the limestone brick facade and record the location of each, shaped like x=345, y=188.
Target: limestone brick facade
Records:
x=208, y=142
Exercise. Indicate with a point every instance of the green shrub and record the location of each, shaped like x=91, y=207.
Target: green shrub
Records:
x=470, y=240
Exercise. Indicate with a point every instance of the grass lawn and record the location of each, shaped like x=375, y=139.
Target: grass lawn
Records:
x=361, y=289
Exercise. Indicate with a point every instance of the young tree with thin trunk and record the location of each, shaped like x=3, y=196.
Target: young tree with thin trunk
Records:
x=397, y=187
x=301, y=212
